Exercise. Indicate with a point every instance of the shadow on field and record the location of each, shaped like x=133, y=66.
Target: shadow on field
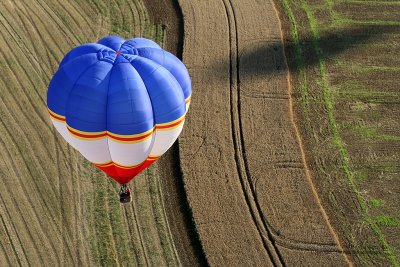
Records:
x=180, y=218
x=266, y=58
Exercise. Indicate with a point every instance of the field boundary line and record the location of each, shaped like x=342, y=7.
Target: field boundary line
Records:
x=247, y=187
x=137, y=226
x=337, y=141
x=298, y=137
x=165, y=221
x=130, y=243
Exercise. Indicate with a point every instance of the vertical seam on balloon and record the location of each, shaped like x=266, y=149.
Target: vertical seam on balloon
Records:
x=108, y=139
x=164, y=52
x=184, y=97
x=152, y=110
x=181, y=89
x=72, y=89
x=173, y=76
x=62, y=68
x=69, y=96
x=163, y=55
x=121, y=45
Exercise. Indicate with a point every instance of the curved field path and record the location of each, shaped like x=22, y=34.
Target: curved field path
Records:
x=243, y=164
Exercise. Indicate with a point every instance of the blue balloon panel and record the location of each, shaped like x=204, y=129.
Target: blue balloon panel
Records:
x=121, y=86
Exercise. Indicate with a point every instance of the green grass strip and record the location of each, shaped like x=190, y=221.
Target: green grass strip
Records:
x=328, y=102
x=363, y=69
x=347, y=21
x=376, y=202
x=368, y=2
x=372, y=133
x=330, y=4
x=387, y=221
x=369, y=97
x=298, y=57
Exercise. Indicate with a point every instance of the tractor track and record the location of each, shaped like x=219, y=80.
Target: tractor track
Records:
x=60, y=191
x=34, y=107
x=238, y=142
x=184, y=237
x=139, y=231
x=24, y=48
x=10, y=239
x=273, y=236
x=160, y=203
x=156, y=208
x=212, y=158
x=44, y=205
x=37, y=26
x=18, y=210
x=131, y=233
x=74, y=18
x=28, y=27
x=4, y=256
x=137, y=23
x=53, y=17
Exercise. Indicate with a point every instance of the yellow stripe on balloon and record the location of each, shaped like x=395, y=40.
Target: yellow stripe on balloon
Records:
x=112, y=163
x=170, y=125
x=129, y=138
x=56, y=116
x=187, y=100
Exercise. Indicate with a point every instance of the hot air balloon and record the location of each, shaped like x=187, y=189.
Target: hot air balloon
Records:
x=120, y=103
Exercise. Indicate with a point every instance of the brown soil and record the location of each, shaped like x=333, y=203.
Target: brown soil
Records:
x=243, y=165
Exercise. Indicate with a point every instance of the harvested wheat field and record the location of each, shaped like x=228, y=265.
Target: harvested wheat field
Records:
x=289, y=155
x=251, y=193
x=56, y=208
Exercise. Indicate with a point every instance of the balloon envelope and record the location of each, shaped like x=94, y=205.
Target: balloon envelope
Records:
x=120, y=103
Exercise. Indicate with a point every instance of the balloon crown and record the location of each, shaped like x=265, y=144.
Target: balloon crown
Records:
x=125, y=54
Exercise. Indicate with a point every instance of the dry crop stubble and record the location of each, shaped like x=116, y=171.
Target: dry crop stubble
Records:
x=57, y=209
x=213, y=165
x=241, y=161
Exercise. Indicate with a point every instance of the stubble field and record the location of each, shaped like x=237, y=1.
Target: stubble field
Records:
x=247, y=182
x=289, y=154
x=56, y=209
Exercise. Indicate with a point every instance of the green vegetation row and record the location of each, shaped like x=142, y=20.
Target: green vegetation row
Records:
x=328, y=100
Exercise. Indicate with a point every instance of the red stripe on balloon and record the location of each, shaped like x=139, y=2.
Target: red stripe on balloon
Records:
x=129, y=138
x=124, y=175
x=57, y=117
x=86, y=135
x=170, y=125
